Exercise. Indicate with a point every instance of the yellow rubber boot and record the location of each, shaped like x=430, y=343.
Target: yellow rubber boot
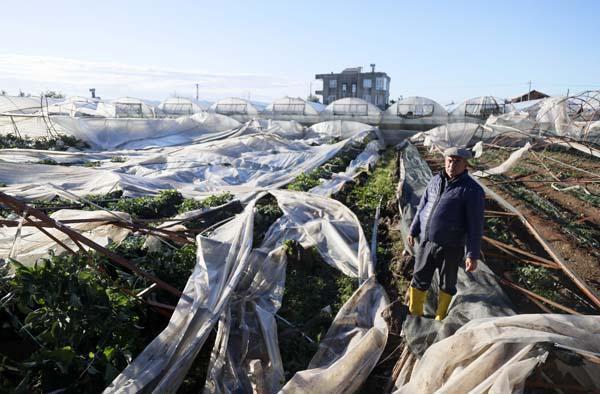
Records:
x=416, y=301
x=443, y=304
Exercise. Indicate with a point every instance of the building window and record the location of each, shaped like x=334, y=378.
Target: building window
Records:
x=367, y=83
x=344, y=89
x=330, y=99
x=353, y=90
x=332, y=83
x=381, y=83
x=367, y=98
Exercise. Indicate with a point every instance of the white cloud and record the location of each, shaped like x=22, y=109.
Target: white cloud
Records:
x=74, y=77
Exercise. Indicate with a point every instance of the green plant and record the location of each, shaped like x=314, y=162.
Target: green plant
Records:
x=339, y=163
x=267, y=212
x=311, y=287
x=216, y=200
x=76, y=333
x=585, y=234
x=164, y=204
x=50, y=162
x=60, y=143
x=538, y=280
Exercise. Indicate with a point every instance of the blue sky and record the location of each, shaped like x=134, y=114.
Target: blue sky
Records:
x=266, y=49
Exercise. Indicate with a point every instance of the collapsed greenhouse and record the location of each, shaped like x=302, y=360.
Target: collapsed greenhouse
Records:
x=232, y=249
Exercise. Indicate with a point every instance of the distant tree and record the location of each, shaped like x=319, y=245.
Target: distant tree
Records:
x=21, y=93
x=53, y=94
x=313, y=99
x=392, y=102
x=3, y=92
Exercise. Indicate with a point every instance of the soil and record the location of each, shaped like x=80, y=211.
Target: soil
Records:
x=581, y=260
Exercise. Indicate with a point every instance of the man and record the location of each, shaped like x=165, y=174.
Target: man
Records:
x=449, y=217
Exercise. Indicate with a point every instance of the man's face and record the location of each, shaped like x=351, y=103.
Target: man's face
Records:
x=455, y=165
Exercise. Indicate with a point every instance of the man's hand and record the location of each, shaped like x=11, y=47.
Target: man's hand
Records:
x=411, y=240
x=470, y=264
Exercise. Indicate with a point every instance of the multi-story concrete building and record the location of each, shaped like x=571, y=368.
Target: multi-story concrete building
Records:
x=373, y=87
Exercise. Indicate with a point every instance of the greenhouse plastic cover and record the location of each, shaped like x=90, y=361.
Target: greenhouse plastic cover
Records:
x=123, y=133
x=495, y=355
x=243, y=164
x=419, y=106
x=451, y=134
x=235, y=284
x=549, y=117
x=480, y=347
x=352, y=106
x=28, y=244
x=240, y=288
x=478, y=105
x=294, y=106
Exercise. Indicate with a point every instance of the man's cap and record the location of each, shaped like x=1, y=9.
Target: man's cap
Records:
x=460, y=152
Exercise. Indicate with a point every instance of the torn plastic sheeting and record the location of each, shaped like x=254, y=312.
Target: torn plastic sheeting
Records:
x=310, y=219
x=238, y=165
x=221, y=262
x=358, y=334
x=491, y=355
x=111, y=133
x=478, y=296
x=351, y=348
x=506, y=165
x=366, y=159
x=341, y=129
x=32, y=156
x=248, y=330
x=513, y=121
x=414, y=176
x=31, y=244
x=453, y=134
x=32, y=181
x=327, y=224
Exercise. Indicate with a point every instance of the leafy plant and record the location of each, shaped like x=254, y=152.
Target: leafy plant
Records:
x=81, y=329
x=213, y=201
x=50, y=162
x=162, y=205
x=267, y=212
x=311, y=287
x=60, y=143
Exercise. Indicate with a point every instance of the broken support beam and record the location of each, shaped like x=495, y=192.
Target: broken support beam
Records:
x=19, y=207
x=538, y=297
x=502, y=245
x=561, y=263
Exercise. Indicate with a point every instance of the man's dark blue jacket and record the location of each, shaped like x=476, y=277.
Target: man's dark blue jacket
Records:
x=451, y=213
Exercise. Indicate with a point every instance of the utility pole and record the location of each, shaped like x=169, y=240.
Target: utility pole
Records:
x=197, y=92
x=529, y=94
